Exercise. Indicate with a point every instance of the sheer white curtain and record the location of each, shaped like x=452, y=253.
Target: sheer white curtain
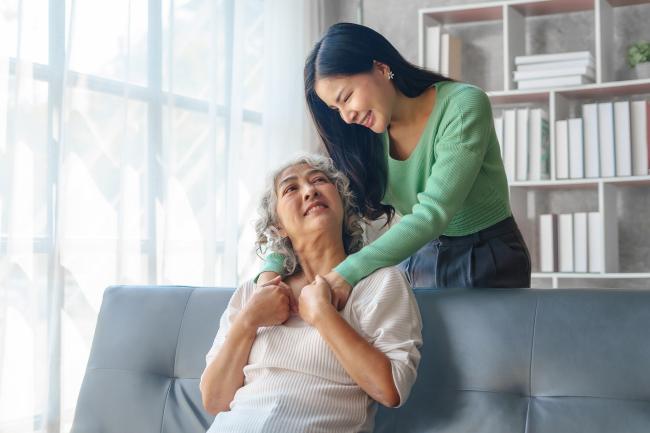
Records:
x=135, y=138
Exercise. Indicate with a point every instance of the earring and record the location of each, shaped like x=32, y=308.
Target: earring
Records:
x=391, y=75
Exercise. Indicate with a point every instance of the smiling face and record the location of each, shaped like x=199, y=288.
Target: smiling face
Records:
x=365, y=99
x=308, y=202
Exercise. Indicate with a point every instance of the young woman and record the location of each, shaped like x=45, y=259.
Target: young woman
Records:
x=416, y=142
x=271, y=370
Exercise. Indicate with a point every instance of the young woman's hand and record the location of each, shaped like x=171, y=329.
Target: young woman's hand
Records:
x=270, y=305
x=340, y=289
x=314, y=299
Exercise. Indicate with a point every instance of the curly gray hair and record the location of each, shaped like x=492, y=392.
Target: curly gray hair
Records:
x=269, y=240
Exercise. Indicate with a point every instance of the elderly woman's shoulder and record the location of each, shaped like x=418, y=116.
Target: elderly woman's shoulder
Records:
x=388, y=278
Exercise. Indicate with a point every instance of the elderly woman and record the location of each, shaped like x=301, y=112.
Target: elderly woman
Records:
x=284, y=359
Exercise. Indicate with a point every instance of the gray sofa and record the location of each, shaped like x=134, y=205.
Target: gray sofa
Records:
x=493, y=360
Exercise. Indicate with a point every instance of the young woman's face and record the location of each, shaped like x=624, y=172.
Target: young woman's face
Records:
x=307, y=201
x=365, y=99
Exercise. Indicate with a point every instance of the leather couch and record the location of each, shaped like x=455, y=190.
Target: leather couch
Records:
x=493, y=361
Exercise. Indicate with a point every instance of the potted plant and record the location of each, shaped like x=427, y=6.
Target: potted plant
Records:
x=638, y=57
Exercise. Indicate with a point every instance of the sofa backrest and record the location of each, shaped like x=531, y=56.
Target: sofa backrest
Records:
x=493, y=360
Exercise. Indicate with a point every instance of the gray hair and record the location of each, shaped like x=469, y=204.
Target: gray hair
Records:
x=269, y=240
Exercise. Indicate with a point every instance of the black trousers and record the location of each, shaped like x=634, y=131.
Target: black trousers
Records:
x=495, y=257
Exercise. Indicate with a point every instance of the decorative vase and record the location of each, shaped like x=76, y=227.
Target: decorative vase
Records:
x=643, y=70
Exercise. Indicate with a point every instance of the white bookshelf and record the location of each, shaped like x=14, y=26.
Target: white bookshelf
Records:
x=509, y=17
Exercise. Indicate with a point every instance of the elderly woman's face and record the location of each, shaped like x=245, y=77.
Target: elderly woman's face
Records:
x=307, y=201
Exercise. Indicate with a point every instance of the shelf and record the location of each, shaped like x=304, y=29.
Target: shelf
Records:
x=491, y=11
x=585, y=91
x=617, y=199
x=576, y=275
x=582, y=183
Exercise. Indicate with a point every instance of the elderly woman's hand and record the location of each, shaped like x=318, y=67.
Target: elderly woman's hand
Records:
x=314, y=298
x=271, y=304
x=340, y=289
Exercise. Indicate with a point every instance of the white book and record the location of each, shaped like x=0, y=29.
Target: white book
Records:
x=562, y=149
x=548, y=73
x=565, y=242
x=432, y=48
x=510, y=143
x=539, y=145
x=580, y=246
x=595, y=244
x=590, y=129
x=522, y=143
x=622, y=138
x=498, y=128
x=640, y=124
x=450, y=56
x=576, y=150
x=548, y=243
x=542, y=58
x=556, y=65
x=572, y=80
x=606, y=139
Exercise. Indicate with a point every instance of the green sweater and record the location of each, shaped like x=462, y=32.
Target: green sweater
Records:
x=453, y=183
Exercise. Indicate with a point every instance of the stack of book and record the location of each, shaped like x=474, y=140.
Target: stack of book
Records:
x=524, y=137
x=554, y=70
x=610, y=139
x=442, y=52
x=571, y=242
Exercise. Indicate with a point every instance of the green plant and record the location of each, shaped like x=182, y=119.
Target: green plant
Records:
x=638, y=53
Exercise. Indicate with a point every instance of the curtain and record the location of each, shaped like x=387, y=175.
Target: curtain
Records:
x=135, y=139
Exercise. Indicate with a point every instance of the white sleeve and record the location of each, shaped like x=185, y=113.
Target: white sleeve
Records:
x=237, y=301
x=389, y=317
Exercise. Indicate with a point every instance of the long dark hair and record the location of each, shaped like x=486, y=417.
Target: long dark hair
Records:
x=348, y=49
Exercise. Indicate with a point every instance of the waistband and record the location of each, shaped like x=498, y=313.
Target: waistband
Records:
x=503, y=227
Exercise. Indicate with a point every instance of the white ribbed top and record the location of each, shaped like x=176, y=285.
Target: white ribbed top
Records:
x=294, y=383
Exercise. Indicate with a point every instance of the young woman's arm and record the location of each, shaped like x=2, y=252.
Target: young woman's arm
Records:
x=224, y=375
x=273, y=265
x=386, y=366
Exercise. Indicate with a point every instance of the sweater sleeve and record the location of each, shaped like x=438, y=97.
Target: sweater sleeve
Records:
x=274, y=262
x=460, y=150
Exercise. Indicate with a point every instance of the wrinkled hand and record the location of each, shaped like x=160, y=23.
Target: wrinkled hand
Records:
x=340, y=289
x=314, y=297
x=271, y=304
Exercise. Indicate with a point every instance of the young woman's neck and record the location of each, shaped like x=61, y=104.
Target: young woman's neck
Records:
x=408, y=111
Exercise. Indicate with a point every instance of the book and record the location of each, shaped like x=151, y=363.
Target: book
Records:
x=576, y=149
x=622, y=138
x=542, y=58
x=562, y=149
x=498, y=128
x=590, y=130
x=548, y=73
x=571, y=80
x=539, y=151
x=432, y=48
x=596, y=255
x=565, y=242
x=640, y=125
x=522, y=143
x=562, y=64
x=606, y=139
x=548, y=243
x=450, y=56
x=580, y=242
x=510, y=143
